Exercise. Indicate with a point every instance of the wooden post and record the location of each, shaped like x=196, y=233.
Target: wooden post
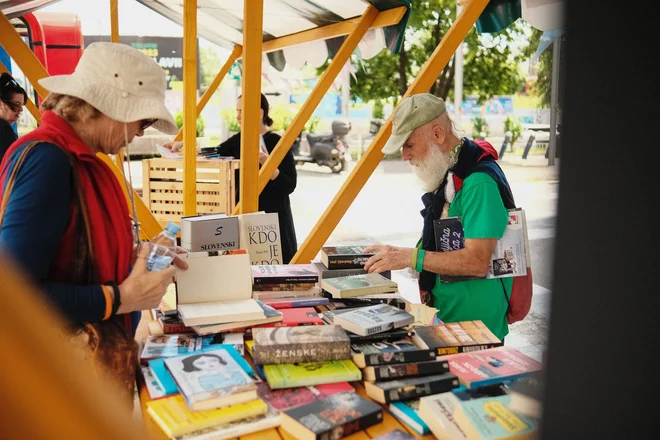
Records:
x=250, y=121
x=189, y=113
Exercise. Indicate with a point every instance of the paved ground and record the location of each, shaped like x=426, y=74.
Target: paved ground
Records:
x=387, y=211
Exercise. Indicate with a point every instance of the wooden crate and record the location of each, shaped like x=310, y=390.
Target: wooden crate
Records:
x=162, y=187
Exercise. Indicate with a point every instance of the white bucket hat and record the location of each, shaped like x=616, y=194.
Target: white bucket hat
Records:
x=121, y=82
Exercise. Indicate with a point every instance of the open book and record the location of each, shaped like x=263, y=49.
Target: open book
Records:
x=216, y=289
x=510, y=258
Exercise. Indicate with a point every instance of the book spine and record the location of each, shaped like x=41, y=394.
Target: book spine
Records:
x=286, y=280
x=421, y=390
x=399, y=357
x=442, y=351
x=301, y=352
x=175, y=328
x=295, y=304
x=411, y=369
x=347, y=261
x=394, y=335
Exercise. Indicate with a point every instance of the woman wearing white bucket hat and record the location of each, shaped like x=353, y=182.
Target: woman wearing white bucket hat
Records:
x=63, y=214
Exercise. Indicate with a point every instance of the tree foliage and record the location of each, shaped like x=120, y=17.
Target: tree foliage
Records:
x=543, y=85
x=487, y=71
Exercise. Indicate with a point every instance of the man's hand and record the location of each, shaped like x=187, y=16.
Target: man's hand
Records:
x=387, y=258
x=173, y=146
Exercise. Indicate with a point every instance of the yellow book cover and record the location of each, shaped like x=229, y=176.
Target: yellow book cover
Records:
x=311, y=373
x=175, y=418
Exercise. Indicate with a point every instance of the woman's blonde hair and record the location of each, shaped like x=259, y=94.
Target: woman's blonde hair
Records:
x=70, y=108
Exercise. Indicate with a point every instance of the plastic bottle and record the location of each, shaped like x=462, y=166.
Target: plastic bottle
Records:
x=162, y=248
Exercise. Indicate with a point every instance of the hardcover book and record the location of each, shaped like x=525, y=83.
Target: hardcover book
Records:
x=284, y=273
x=213, y=379
x=259, y=234
x=410, y=387
x=389, y=352
x=358, y=285
x=369, y=320
x=175, y=418
x=494, y=365
x=408, y=413
x=309, y=343
x=286, y=398
x=324, y=272
x=456, y=337
x=344, y=257
x=395, y=371
x=210, y=232
x=332, y=417
x=310, y=373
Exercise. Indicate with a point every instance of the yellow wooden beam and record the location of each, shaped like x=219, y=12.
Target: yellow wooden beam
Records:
x=47, y=390
x=372, y=157
x=11, y=41
x=233, y=56
x=149, y=226
x=34, y=111
x=189, y=114
x=319, y=91
x=250, y=121
x=114, y=21
x=385, y=18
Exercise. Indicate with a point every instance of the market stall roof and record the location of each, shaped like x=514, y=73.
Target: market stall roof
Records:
x=16, y=8
x=221, y=22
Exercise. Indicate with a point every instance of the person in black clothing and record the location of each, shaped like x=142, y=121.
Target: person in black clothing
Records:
x=12, y=100
x=275, y=196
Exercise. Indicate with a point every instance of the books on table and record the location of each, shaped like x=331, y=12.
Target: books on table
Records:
x=410, y=387
x=358, y=285
x=369, y=320
x=270, y=316
x=213, y=379
x=389, y=352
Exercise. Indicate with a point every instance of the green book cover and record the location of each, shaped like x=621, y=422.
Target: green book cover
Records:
x=311, y=373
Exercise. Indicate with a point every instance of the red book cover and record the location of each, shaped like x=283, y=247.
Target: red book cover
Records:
x=290, y=303
x=494, y=365
x=291, y=397
x=295, y=317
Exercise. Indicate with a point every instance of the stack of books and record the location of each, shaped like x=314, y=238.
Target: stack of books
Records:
x=287, y=286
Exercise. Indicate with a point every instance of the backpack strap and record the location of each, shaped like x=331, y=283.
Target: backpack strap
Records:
x=9, y=184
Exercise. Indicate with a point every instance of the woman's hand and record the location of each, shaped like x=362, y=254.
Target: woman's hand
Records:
x=178, y=261
x=143, y=290
x=387, y=258
x=174, y=146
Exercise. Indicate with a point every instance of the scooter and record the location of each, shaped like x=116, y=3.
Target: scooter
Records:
x=330, y=150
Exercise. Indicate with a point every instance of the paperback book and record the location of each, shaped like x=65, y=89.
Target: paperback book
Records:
x=389, y=352
x=288, y=303
x=358, y=285
x=213, y=379
x=270, y=316
x=456, y=337
x=324, y=272
x=344, y=257
x=310, y=373
x=286, y=398
x=370, y=320
x=284, y=273
x=408, y=413
x=310, y=343
x=332, y=417
x=238, y=428
x=297, y=316
x=409, y=369
x=411, y=387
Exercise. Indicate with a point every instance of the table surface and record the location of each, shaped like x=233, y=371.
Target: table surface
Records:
x=388, y=424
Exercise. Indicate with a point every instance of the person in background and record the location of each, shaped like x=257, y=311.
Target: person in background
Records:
x=63, y=214
x=462, y=179
x=275, y=196
x=12, y=100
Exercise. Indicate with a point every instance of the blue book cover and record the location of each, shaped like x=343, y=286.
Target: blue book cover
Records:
x=449, y=236
x=407, y=412
x=165, y=379
x=490, y=418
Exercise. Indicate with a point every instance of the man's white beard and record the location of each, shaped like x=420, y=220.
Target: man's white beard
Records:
x=432, y=169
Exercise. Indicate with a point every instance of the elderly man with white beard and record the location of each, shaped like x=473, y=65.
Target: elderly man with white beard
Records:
x=462, y=178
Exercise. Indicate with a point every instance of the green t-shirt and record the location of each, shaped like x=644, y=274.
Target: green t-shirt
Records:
x=483, y=215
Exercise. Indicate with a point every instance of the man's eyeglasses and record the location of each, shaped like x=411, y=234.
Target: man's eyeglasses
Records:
x=146, y=123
